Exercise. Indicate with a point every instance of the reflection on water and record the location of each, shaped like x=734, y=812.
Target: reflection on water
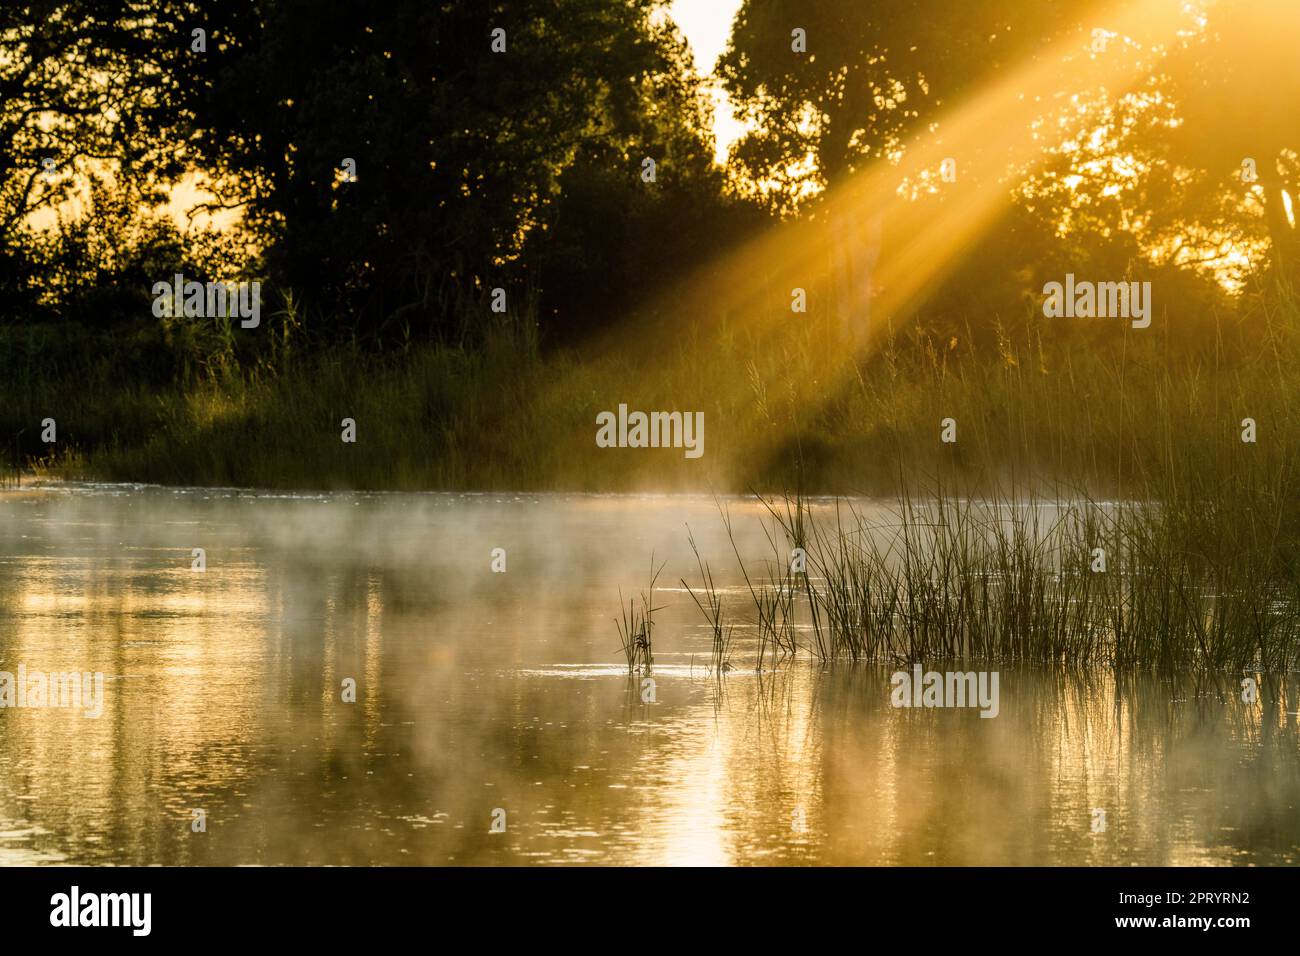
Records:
x=478, y=691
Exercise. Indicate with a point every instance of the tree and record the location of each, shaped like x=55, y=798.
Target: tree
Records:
x=870, y=77
x=89, y=88
x=459, y=148
x=1237, y=91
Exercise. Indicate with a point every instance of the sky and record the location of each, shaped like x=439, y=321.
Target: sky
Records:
x=707, y=25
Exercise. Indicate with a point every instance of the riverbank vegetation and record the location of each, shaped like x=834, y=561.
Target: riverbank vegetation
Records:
x=477, y=229
x=1032, y=407
x=1190, y=582
x=549, y=232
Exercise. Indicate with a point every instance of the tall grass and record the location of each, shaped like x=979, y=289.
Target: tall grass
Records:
x=636, y=626
x=1044, y=403
x=709, y=601
x=1175, y=585
x=774, y=602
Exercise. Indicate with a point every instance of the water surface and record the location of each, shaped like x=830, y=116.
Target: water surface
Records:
x=481, y=691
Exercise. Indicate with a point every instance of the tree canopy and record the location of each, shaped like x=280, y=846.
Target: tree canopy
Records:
x=391, y=164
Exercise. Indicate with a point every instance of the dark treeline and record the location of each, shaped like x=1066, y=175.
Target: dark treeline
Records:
x=504, y=145
x=522, y=168
x=474, y=169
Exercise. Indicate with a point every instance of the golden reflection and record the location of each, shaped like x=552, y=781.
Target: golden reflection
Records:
x=478, y=691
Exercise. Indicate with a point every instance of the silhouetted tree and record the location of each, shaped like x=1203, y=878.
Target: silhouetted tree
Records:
x=1236, y=89
x=90, y=88
x=871, y=76
x=460, y=150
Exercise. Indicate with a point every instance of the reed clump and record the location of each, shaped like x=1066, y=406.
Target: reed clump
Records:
x=636, y=626
x=709, y=601
x=1174, y=584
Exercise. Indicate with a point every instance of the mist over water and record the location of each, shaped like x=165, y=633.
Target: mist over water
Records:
x=479, y=690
